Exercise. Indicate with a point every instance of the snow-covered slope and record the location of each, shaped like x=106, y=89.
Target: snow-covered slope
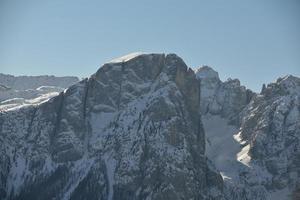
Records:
x=16, y=91
x=221, y=147
x=16, y=103
x=130, y=131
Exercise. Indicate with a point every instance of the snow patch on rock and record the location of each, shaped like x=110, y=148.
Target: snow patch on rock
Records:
x=126, y=57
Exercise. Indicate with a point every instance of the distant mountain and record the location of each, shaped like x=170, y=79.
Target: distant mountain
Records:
x=33, y=82
x=18, y=91
x=145, y=126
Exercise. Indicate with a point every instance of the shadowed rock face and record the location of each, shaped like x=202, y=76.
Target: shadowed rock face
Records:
x=130, y=131
x=226, y=99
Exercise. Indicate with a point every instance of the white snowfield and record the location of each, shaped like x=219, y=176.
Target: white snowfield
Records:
x=125, y=58
x=16, y=103
x=221, y=146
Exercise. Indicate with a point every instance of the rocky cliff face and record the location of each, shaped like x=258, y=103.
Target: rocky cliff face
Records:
x=226, y=99
x=130, y=131
x=253, y=139
x=270, y=129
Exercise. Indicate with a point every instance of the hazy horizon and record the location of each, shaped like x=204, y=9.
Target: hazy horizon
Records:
x=194, y=68
x=254, y=41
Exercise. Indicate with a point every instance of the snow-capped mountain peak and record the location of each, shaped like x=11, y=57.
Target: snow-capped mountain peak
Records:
x=145, y=126
x=130, y=131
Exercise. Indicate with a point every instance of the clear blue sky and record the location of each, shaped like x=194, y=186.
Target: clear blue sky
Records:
x=253, y=40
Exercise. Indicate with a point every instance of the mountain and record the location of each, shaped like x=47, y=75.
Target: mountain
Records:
x=253, y=139
x=130, y=131
x=270, y=132
x=16, y=91
x=145, y=126
x=33, y=82
x=226, y=99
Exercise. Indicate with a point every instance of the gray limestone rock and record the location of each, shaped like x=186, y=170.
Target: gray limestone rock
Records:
x=130, y=131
